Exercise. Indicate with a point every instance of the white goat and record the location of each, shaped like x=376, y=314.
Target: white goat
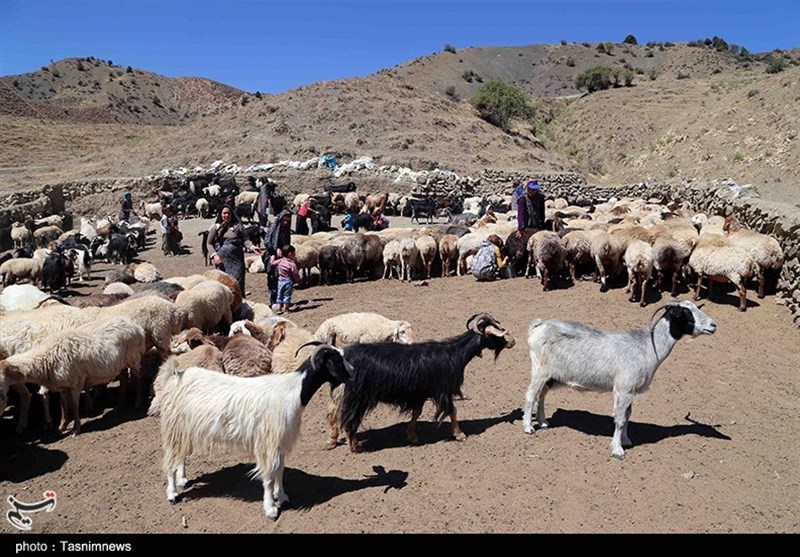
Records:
x=573, y=354
x=203, y=410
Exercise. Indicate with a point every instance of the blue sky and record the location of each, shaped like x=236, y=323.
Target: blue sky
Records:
x=275, y=46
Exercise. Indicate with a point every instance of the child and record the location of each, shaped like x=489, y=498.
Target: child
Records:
x=288, y=275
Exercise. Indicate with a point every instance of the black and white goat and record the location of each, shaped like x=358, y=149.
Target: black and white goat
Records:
x=625, y=362
x=407, y=375
x=202, y=409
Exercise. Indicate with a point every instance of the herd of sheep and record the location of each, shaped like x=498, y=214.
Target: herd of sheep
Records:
x=230, y=374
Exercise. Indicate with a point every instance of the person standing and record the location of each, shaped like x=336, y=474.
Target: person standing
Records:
x=288, y=276
x=278, y=234
x=266, y=190
x=226, y=244
x=171, y=236
x=530, y=208
x=125, y=207
x=305, y=211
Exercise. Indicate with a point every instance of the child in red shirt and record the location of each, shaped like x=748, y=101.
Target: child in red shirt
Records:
x=288, y=275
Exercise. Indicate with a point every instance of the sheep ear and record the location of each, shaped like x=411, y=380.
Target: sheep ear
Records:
x=278, y=334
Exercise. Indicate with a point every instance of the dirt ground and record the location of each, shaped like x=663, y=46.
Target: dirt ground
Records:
x=715, y=438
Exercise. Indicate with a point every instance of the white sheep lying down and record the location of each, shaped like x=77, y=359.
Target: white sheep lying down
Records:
x=625, y=362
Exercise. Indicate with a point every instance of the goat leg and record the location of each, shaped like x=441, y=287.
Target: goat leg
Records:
x=411, y=433
x=458, y=435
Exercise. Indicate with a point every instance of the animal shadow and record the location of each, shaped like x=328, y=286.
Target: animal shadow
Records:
x=23, y=461
x=428, y=433
x=305, y=490
x=640, y=433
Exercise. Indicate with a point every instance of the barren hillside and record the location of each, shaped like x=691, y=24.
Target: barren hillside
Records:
x=692, y=113
x=89, y=90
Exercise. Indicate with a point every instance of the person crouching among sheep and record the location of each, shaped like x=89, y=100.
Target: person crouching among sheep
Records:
x=490, y=262
x=288, y=276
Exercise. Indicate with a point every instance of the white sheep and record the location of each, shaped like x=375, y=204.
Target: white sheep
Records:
x=352, y=202
x=21, y=268
x=20, y=234
x=145, y=272
x=249, y=197
x=205, y=305
x=607, y=251
x=391, y=259
x=118, y=288
x=151, y=210
x=763, y=248
x=42, y=236
x=408, y=258
x=202, y=206
x=21, y=297
x=203, y=410
x=639, y=262
x=547, y=254
x=467, y=245
x=87, y=229
x=448, y=252
x=356, y=327
x=77, y=359
x=427, y=249
x=714, y=257
x=624, y=362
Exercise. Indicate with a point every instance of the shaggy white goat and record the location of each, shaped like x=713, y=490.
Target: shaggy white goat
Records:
x=625, y=362
x=203, y=410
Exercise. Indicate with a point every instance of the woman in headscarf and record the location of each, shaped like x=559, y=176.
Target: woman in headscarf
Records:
x=278, y=234
x=226, y=244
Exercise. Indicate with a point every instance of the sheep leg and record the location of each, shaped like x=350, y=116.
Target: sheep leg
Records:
x=602, y=269
x=75, y=400
x=760, y=282
x=629, y=287
x=622, y=412
x=24, y=405
x=572, y=272
x=642, y=292
x=458, y=435
x=697, y=286
x=123, y=389
x=65, y=417
x=411, y=433
x=674, y=284
x=742, y=295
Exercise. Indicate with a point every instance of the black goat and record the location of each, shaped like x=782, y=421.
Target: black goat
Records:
x=407, y=375
x=204, y=246
x=423, y=208
x=350, y=186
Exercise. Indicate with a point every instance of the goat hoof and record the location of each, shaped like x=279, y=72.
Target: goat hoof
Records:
x=272, y=513
x=356, y=447
x=332, y=444
x=460, y=437
x=696, y=298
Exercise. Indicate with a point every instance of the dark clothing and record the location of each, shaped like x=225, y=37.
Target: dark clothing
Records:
x=301, y=226
x=229, y=244
x=125, y=208
x=277, y=236
x=530, y=211
x=265, y=193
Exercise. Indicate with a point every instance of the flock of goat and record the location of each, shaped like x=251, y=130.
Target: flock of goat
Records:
x=232, y=375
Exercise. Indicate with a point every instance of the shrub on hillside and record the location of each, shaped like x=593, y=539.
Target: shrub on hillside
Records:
x=775, y=64
x=498, y=102
x=450, y=91
x=595, y=79
x=449, y=48
x=630, y=39
x=570, y=62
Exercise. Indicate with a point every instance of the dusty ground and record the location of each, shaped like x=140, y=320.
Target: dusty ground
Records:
x=715, y=437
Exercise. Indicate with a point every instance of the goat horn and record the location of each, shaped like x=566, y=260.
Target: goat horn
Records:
x=309, y=343
x=472, y=324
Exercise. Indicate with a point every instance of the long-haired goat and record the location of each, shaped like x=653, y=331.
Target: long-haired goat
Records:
x=406, y=375
x=203, y=410
x=625, y=362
